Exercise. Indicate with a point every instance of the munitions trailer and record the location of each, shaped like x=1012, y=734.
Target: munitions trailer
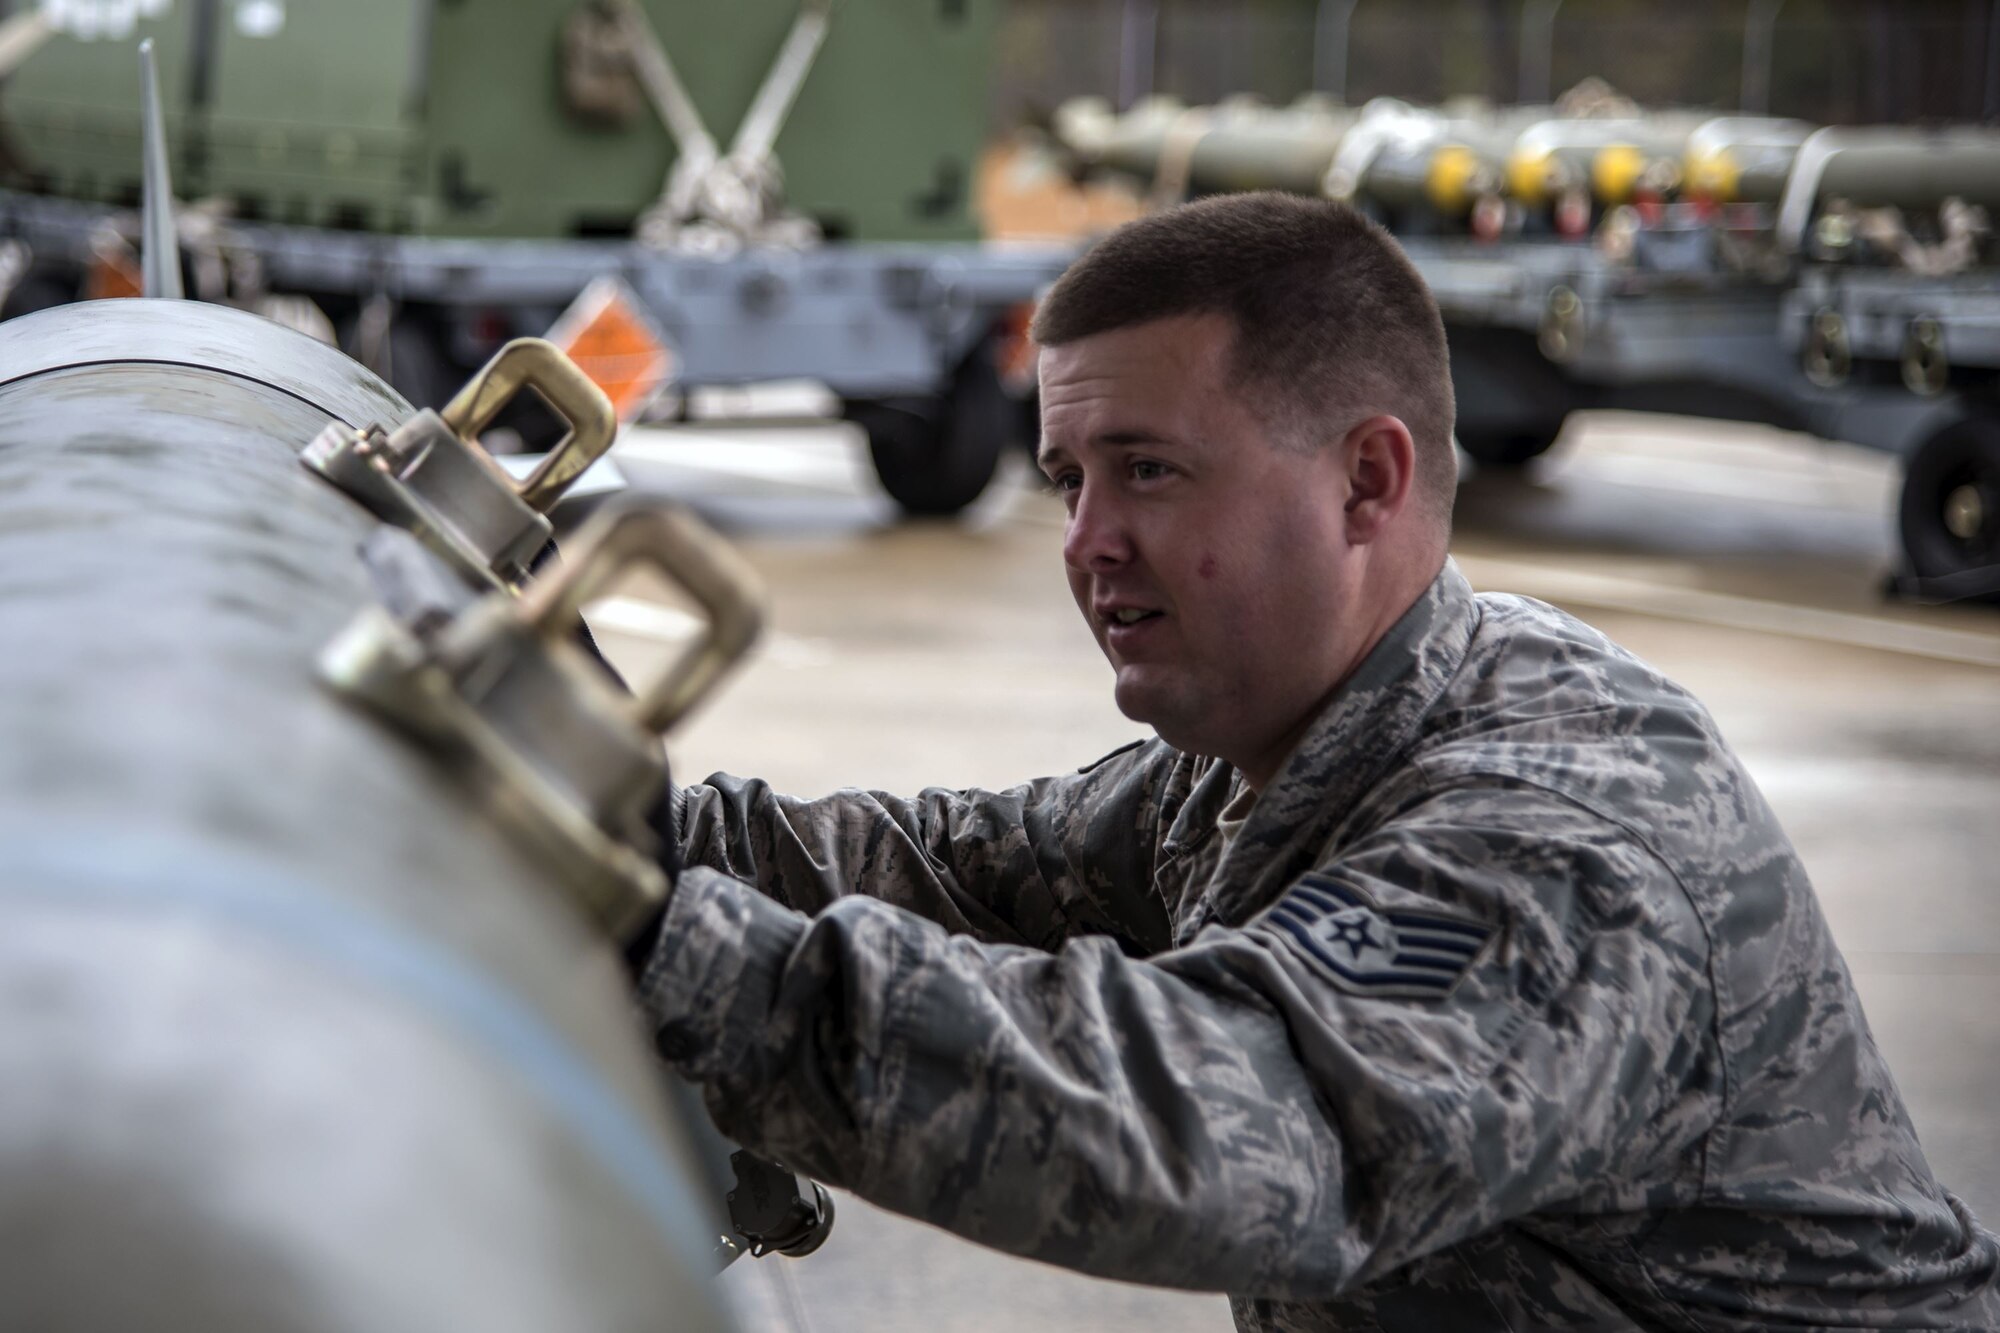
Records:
x=439, y=177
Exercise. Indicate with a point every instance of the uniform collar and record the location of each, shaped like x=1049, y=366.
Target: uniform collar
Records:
x=1350, y=746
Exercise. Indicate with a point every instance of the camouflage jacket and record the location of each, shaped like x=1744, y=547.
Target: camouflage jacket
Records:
x=1510, y=1007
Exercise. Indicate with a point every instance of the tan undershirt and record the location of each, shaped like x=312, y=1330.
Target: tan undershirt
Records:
x=1234, y=815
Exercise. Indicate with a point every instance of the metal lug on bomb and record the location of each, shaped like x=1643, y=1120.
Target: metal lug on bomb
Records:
x=430, y=476
x=494, y=686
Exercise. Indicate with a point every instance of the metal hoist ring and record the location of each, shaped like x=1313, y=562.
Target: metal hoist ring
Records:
x=432, y=477
x=1828, y=358
x=495, y=684
x=681, y=547
x=497, y=688
x=534, y=363
x=1562, y=328
x=1926, y=369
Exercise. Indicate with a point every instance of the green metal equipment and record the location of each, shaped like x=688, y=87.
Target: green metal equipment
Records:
x=519, y=119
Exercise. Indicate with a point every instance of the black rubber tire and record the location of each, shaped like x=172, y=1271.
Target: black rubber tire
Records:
x=934, y=456
x=1511, y=399
x=1965, y=453
x=1507, y=448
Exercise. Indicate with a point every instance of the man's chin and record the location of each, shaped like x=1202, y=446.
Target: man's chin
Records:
x=1144, y=699
x=1179, y=721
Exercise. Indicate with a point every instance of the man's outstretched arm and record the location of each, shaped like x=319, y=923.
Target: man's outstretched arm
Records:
x=1456, y=1022
x=1030, y=865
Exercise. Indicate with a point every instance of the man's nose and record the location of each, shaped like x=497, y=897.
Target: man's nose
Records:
x=1095, y=537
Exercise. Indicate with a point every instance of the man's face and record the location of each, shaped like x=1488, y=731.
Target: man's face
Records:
x=1211, y=564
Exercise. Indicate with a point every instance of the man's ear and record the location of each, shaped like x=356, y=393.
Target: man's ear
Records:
x=1381, y=462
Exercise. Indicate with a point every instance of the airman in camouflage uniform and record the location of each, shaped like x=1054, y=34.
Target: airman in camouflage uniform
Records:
x=1499, y=1000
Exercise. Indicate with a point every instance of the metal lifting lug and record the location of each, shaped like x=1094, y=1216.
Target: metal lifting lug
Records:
x=497, y=687
x=430, y=476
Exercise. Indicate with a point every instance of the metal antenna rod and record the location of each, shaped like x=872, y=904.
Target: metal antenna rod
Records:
x=160, y=250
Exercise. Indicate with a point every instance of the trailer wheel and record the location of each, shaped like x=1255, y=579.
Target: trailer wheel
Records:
x=1950, y=510
x=935, y=455
x=1511, y=399
x=1507, y=448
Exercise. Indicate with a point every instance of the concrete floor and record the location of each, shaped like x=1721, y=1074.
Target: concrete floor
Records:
x=1744, y=563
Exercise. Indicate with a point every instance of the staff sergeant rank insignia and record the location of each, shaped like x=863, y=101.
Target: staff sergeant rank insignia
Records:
x=1360, y=948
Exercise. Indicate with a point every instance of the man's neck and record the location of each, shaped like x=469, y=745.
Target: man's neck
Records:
x=1261, y=770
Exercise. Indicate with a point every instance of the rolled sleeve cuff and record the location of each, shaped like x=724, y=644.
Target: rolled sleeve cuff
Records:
x=709, y=987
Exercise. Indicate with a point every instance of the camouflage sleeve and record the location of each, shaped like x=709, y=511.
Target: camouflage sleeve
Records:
x=1490, y=1007
x=1030, y=865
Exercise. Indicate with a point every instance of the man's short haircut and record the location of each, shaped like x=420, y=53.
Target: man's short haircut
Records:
x=1332, y=321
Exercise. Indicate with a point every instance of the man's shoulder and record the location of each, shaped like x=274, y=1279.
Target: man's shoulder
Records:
x=1537, y=636
x=1541, y=690
x=1545, y=701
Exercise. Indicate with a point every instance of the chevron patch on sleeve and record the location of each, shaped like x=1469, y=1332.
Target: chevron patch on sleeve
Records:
x=1365, y=950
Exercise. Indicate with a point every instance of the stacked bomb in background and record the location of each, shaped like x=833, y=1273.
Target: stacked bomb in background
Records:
x=1468, y=167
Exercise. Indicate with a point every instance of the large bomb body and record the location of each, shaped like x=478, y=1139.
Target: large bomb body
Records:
x=1916, y=169
x=292, y=1036
x=1236, y=145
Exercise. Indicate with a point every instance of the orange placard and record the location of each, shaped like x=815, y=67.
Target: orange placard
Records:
x=610, y=337
x=113, y=273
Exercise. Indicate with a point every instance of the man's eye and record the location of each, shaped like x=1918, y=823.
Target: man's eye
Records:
x=1061, y=482
x=1142, y=470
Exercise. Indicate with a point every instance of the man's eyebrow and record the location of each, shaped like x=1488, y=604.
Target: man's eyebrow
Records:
x=1111, y=437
